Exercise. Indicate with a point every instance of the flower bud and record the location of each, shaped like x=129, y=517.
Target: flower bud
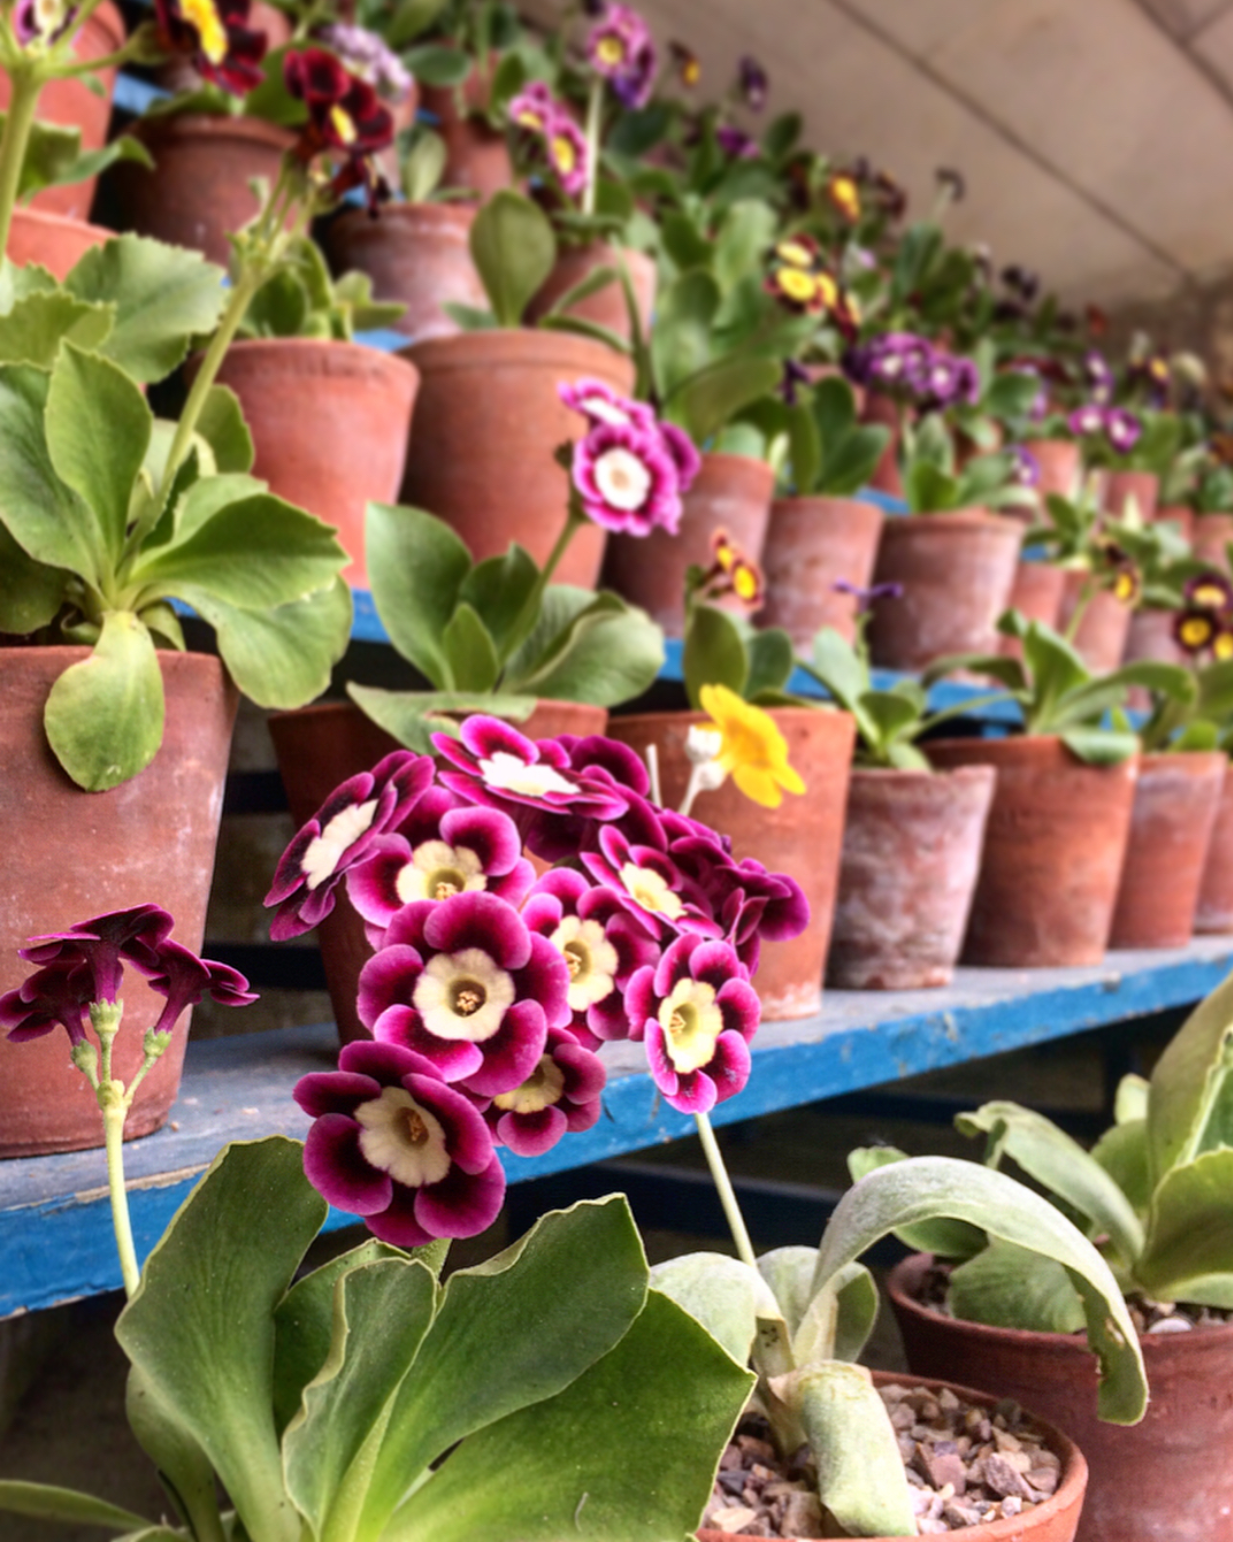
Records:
x=155, y=1042
x=85, y=1058
x=703, y=745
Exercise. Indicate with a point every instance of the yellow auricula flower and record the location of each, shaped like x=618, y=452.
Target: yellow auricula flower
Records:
x=754, y=753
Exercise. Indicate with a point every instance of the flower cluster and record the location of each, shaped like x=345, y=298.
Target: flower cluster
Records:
x=1120, y=427
x=548, y=131
x=910, y=367
x=489, y=989
x=629, y=470
x=1205, y=623
x=799, y=279
x=369, y=57
x=620, y=49
x=732, y=572
x=216, y=38
x=346, y=120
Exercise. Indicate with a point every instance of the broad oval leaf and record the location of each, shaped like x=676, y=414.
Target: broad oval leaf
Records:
x=1009, y=1287
x=514, y=250
x=30, y=592
x=714, y=653
x=284, y=657
x=609, y=653
x=726, y=1296
x=104, y=716
x=1189, y=1226
x=470, y=653
x=416, y=566
x=412, y=717
x=942, y=1237
x=1190, y=1104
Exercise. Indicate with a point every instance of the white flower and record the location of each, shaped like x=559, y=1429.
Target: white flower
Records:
x=403, y=1139
x=542, y=1089
x=326, y=850
x=604, y=411
x=504, y=772
x=651, y=891
x=702, y=744
x=463, y=995
x=590, y=958
x=437, y=870
x=691, y=1022
x=622, y=479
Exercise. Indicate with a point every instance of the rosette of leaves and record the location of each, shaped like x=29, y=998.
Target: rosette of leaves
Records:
x=491, y=636
x=300, y=299
x=54, y=157
x=831, y=453
x=1155, y=1194
x=367, y=1400
x=96, y=543
x=803, y=1316
x=934, y=483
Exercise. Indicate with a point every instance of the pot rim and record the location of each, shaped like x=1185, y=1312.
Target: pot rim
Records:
x=206, y=125
x=974, y=773
x=955, y=521
x=824, y=503
x=452, y=213
x=62, y=222
x=1014, y=741
x=511, y=345
x=355, y=359
x=1193, y=762
x=824, y=709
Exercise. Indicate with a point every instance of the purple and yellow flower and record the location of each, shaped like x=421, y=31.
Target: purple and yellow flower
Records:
x=627, y=479
x=866, y=599
x=216, y=38
x=732, y=572
x=1209, y=591
x=697, y=1013
x=391, y=1142
x=1194, y=630
x=565, y=148
x=339, y=835
x=620, y=48
x=752, y=82
x=532, y=107
x=688, y=65
x=346, y=118
x=562, y=1095
x=843, y=191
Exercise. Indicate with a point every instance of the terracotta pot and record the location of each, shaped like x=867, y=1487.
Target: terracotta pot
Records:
x=1215, y=908
x=1101, y=638
x=811, y=542
x=329, y=422
x=487, y=425
x=607, y=307
x=1036, y=594
x=198, y=192
x=1212, y=535
x=320, y=747
x=803, y=837
x=887, y=412
x=732, y=493
x=957, y=571
x=54, y=241
x=417, y=253
x=1061, y=466
x=72, y=104
x=1054, y=848
x=69, y=855
x=911, y=853
x=476, y=156
x=1177, y=514
x=1054, y=1520
x=1166, y=1479
x=1170, y=832
x=1123, y=486
x=1150, y=636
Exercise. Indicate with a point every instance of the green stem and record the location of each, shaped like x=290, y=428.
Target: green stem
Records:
x=111, y=1102
x=595, y=108
x=727, y=1194
x=522, y=627
x=1086, y=595
x=26, y=86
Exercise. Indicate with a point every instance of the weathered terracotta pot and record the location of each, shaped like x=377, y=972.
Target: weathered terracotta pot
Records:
x=1177, y=514
x=1054, y=1520
x=72, y=104
x=1101, y=637
x=1212, y=535
x=911, y=853
x=1036, y=594
x=417, y=253
x=1054, y=848
x=803, y=837
x=886, y=412
x=488, y=422
x=811, y=542
x=54, y=241
x=1150, y=636
x=69, y=855
x=1061, y=466
x=198, y=192
x=329, y=422
x=732, y=493
x=1170, y=833
x=1166, y=1479
x=607, y=306
x=957, y=571
x=320, y=747
x=1215, y=908
x=476, y=156
x=1143, y=487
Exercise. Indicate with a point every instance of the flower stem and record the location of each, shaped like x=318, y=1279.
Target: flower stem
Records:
x=522, y=628
x=115, y=1110
x=26, y=87
x=595, y=108
x=692, y=790
x=727, y=1194
x=1086, y=596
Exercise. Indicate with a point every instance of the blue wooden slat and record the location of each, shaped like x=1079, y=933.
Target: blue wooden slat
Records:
x=55, y=1234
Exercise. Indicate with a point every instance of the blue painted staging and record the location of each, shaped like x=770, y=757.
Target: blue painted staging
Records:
x=55, y=1229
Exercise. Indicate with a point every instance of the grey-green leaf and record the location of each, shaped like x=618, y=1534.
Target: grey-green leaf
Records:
x=942, y=1237
x=1009, y=1287
x=49, y=1503
x=726, y=1296
x=281, y=658
x=104, y=715
x=514, y=249
x=412, y=717
x=416, y=566
x=1189, y=1226
x=1191, y=1089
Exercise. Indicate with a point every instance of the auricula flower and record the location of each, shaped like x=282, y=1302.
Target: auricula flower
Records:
x=844, y=194
x=369, y=57
x=688, y=65
x=1086, y=420
x=565, y=148
x=531, y=108
x=1123, y=430
x=732, y=572
x=627, y=480
x=346, y=118
x=599, y=403
x=1209, y=591
x=1194, y=630
x=866, y=599
x=755, y=753
x=752, y=82
x=736, y=144
x=619, y=47
x=1026, y=470
x=41, y=21
x=562, y=1094
x=101, y=946
x=217, y=39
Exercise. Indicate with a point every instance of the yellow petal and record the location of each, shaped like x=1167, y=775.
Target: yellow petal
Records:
x=758, y=786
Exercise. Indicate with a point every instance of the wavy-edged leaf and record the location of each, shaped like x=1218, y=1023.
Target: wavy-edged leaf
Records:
x=943, y=1237
x=412, y=717
x=1009, y=1287
x=30, y=592
x=223, y=428
x=281, y=658
x=184, y=1469
x=31, y=333
x=1189, y=1226
x=1190, y=1105
x=416, y=566
x=104, y=715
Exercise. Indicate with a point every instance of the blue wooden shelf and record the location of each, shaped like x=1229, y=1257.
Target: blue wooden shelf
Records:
x=55, y=1229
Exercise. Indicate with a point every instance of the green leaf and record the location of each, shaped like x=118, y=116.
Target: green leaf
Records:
x=597, y=279
x=161, y=621
x=164, y=296
x=30, y=592
x=714, y=653
x=1054, y=670
x=1131, y=1099
x=98, y=429
x=282, y=658
x=416, y=566
x=1122, y=1152
x=838, y=666
x=49, y=1503
x=470, y=318
x=280, y=308
x=684, y=242
x=606, y=653
x=924, y=1188
x=726, y=1296
x=626, y=1453
x=1189, y=1226
x=771, y=661
x=412, y=717
x=711, y=398
x=1190, y=1105
x=851, y=464
x=833, y=408
x=1061, y=1166
x=891, y=713
x=930, y=490
x=223, y=428
x=183, y=1467
x=838, y=1320
x=200, y=1328
x=943, y=1237
x=498, y=588
x=1009, y=1287
x=1100, y=746
x=681, y=337
x=514, y=250
x=54, y=158
x=470, y=654
x=434, y=65
x=32, y=331
x=104, y=716
x=747, y=231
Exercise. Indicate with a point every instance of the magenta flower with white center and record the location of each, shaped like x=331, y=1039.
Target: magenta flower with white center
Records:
x=599, y=403
x=339, y=835
x=697, y=1013
x=391, y=1142
x=561, y=1095
x=1122, y=429
x=601, y=766
x=627, y=479
x=684, y=454
x=464, y=983
x=650, y=886
x=621, y=50
x=602, y=944
x=1088, y=419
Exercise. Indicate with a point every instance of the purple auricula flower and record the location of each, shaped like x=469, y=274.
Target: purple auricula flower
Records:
x=464, y=983
x=1086, y=420
x=795, y=377
x=599, y=403
x=56, y=996
x=736, y=144
x=602, y=944
x=620, y=48
x=752, y=82
x=391, y=1142
x=697, y=1013
x=41, y=20
x=339, y=835
x=101, y=945
x=1026, y=467
x=370, y=58
x=1122, y=429
x=567, y=153
x=866, y=599
x=627, y=479
x=1099, y=376
x=650, y=885
x=562, y=1095
x=531, y=108
x=176, y=972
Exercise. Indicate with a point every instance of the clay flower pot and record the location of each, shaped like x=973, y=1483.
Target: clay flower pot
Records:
x=1054, y=1520
x=803, y=837
x=957, y=571
x=488, y=423
x=1143, y=487
x=1150, y=636
x=476, y=156
x=69, y=855
x=1215, y=908
x=886, y=412
x=1101, y=637
x=198, y=193
x=732, y=493
x=329, y=422
x=1036, y=594
x=320, y=747
x=1054, y=848
x=54, y=241
x=1170, y=833
x=606, y=307
x=911, y=853
x=1166, y=1479
x=811, y=542
x=1178, y=514
x=417, y=253
x=1061, y=465
x=1212, y=534
x=72, y=104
